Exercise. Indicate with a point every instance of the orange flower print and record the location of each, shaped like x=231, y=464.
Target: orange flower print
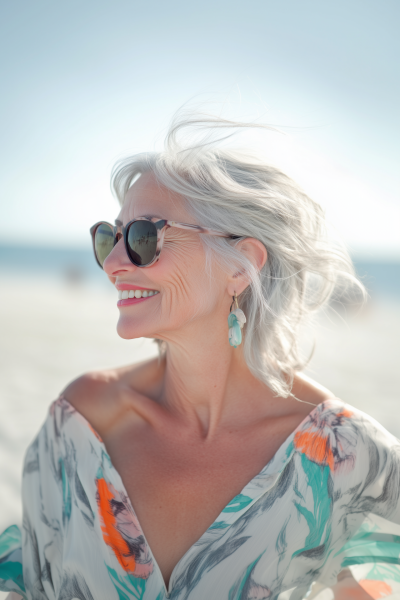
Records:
x=376, y=589
x=121, y=530
x=326, y=438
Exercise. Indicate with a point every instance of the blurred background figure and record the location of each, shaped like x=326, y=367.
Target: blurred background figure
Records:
x=85, y=84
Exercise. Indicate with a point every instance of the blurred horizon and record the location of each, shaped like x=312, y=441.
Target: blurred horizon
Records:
x=76, y=267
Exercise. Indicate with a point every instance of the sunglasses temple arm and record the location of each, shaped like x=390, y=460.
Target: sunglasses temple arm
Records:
x=197, y=228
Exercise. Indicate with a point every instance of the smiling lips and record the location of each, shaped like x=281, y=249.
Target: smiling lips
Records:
x=133, y=296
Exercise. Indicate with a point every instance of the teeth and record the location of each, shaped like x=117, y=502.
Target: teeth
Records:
x=125, y=294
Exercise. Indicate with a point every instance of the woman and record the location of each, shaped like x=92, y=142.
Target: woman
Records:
x=217, y=471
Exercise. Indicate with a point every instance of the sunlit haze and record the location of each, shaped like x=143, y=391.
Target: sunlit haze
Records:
x=84, y=84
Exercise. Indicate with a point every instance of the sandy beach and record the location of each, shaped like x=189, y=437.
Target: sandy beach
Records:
x=52, y=332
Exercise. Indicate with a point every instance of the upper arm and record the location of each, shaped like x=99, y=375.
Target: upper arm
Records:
x=370, y=557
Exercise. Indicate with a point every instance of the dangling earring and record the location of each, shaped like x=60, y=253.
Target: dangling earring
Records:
x=236, y=320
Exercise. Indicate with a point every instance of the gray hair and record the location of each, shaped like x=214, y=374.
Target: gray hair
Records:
x=305, y=266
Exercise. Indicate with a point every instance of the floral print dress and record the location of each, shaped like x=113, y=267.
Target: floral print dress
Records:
x=322, y=514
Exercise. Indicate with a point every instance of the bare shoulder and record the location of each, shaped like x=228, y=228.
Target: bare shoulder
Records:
x=104, y=397
x=97, y=396
x=309, y=392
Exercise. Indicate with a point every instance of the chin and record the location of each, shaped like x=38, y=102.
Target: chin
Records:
x=130, y=329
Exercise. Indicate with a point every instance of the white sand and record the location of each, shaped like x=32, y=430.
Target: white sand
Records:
x=50, y=334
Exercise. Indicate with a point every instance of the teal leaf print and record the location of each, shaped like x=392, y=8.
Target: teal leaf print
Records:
x=289, y=450
x=10, y=560
x=105, y=459
x=12, y=570
x=235, y=593
x=369, y=545
x=133, y=585
x=10, y=540
x=364, y=532
x=318, y=520
x=238, y=503
x=219, y=525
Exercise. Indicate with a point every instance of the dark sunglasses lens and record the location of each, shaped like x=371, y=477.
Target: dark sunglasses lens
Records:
x=103, y=242
x=142, y=242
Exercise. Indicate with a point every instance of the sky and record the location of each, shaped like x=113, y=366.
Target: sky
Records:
x=87, y=83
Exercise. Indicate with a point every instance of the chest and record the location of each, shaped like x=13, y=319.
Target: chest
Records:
x=178, y=487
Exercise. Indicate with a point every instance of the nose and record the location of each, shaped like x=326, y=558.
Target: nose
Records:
x=118, y=261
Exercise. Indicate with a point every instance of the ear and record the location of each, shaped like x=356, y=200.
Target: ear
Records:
x=256, y=253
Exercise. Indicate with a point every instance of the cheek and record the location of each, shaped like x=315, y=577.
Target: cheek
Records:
x=186, y=292
x=185, y=283
x=187, y=289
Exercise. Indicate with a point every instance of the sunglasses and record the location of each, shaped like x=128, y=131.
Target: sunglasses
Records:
x=143, y=238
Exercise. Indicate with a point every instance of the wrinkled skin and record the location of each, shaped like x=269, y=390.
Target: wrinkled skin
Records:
x=188, y=300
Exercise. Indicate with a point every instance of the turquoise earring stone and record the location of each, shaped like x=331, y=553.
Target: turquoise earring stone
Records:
x=232, y=319
x=235, y=333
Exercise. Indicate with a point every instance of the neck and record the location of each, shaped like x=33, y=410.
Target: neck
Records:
x=206, y=381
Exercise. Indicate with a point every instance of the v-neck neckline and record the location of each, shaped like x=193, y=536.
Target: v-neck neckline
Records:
x=262, y=483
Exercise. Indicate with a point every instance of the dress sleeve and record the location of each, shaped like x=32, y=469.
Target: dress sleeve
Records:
x=30, y=558
x=46, y=500
x=370, y=559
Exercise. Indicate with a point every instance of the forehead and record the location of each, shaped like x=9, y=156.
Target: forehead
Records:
x=148, y=198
